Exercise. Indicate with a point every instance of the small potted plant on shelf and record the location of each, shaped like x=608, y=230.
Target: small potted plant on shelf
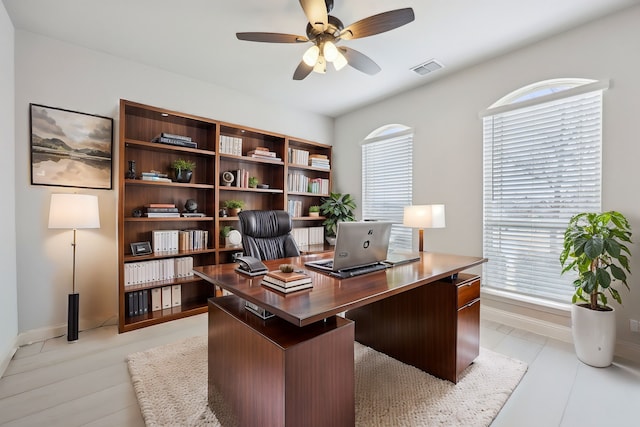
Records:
x=594, y=248
x=183, y=170
x=253, y=182
x=314, y=210
x=234, y=206
x=231, y=236
x=337, y=207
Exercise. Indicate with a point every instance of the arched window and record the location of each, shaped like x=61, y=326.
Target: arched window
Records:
x=387, y=176
x=542, y=165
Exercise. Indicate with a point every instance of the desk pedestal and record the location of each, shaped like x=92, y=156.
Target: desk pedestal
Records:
x=273, y=373
x=434, y=327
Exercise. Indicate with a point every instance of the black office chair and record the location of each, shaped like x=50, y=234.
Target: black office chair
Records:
x=267, y=234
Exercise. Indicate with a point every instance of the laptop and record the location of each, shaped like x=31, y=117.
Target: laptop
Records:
x=360, y=248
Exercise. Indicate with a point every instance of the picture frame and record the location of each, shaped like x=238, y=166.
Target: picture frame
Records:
x=70, y=148
x=141, y=248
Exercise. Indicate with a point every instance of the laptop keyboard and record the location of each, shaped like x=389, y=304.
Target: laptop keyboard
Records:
x=357, y=271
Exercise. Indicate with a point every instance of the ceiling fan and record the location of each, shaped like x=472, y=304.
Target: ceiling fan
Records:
x=325, y=31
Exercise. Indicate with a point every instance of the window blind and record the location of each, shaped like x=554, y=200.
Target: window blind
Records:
x=542, y=165
x=387, y=175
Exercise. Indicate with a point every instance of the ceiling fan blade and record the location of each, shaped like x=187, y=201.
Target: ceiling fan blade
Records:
x=377, y=24
x=316, y=12
x=271, y=37
x=359, y=61
x=302, y=71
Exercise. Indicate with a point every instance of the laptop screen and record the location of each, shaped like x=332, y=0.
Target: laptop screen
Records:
x=361, y=243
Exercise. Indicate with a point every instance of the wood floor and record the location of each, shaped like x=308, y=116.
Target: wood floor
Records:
x=86, y=383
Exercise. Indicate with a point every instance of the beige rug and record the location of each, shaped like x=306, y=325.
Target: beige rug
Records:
x=171, y=384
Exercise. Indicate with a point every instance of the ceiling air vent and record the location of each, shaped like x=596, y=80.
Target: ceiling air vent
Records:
x=427, y=67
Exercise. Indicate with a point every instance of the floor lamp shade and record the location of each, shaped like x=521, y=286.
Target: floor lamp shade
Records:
x=424, y=216
x=73, y=211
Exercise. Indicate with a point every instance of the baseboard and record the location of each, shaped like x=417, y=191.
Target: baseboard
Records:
x=4, y=362
x=42, y=334
x=526, y=323
x=628, y=350
x=624, y=349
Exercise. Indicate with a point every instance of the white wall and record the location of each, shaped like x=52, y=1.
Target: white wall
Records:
x=448, y=134
x=61, y=75
x=8, y=287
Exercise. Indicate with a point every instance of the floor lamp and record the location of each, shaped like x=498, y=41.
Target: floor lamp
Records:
x=423, y=216
x=73, y=211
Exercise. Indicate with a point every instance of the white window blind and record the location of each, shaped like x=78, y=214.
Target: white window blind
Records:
x=387, y=175
x=542, y=165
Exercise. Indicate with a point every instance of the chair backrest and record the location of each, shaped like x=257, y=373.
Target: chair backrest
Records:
x=267, y=234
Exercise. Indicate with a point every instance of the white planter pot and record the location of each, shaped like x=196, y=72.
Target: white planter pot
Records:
x=594, y=335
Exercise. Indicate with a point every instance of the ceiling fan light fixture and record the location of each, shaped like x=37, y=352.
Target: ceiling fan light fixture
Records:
x=340, y=62
x=321, y=65
x=330, y=51
x=310, y=57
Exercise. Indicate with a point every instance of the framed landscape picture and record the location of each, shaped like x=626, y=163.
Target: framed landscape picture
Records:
x=70, y=149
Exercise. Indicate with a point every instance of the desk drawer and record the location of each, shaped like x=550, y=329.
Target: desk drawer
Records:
x=468, y=291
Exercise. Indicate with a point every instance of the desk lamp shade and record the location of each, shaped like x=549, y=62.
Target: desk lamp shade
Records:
x=74, y=211
x=424, y=216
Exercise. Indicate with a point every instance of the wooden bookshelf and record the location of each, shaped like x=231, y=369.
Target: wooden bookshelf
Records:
x=139, y=124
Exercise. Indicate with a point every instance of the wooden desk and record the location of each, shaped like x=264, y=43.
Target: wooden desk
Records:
x=412, y=312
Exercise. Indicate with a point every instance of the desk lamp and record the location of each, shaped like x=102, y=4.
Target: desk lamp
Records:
x=423, y=216
x=73, y=211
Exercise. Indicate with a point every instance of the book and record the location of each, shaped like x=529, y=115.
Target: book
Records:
x=166, y=297
x=156, y=210
x=155, y=178
x=160, y=205
x=193, y=215
x=286, y=280
x=286, y=285
x=162, y=214
x=174, y=136
x=289, y=289
x=287, y=277
x=174, y=141
x=261, y=153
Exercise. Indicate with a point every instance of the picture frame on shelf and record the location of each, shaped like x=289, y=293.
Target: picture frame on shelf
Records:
x=141, y=248
x=70, y=148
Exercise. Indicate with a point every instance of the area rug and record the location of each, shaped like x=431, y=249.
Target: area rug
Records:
x=170, y=382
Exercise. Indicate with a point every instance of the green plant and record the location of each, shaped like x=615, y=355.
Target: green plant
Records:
x=234, y=204
x=594, y=248
x=224, y=231
x=314, y=208
x=253, y=181
x=182, y=164
x=337, y=207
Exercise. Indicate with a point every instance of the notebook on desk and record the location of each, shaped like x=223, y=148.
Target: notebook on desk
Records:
x=360, y=248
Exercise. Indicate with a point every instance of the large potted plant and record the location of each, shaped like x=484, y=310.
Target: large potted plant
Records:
x=335, y=208
x=594, y=248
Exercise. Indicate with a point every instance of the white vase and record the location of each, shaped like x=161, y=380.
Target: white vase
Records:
x=594, y=335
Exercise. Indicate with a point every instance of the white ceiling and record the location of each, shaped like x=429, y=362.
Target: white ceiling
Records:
x=196, y=38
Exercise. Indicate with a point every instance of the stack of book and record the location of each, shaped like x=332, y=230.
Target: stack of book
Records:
x=161, y=210
x=230, y=145
x=263, y=153
x=319, y=161
x=172, y=139
x=298, y=157
x=287, y=282
x=155, y=176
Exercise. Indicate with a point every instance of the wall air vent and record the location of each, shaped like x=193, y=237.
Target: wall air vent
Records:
x=427, y=67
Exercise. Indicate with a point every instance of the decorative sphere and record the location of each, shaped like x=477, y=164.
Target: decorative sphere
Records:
x=191, y=205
